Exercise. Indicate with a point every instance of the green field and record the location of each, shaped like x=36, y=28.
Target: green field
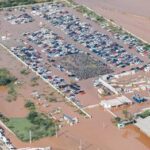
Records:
x=21, y=127
x=40, y=126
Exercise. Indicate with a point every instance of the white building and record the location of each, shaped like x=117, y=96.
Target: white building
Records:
x=115, y=102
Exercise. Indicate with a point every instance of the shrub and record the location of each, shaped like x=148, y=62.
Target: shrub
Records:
x=30, y=105
x=5, y=77
x=25, y=71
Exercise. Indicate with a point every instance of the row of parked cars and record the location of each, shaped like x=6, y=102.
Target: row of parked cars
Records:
x=34, y=60
x=97, y=42
x=5, y=140
x=21, y=19
x=131, y=41
x=54, y=45
x=57, y=7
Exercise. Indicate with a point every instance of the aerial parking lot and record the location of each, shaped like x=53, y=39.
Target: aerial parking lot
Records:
x=69, y=64
x=80, y=32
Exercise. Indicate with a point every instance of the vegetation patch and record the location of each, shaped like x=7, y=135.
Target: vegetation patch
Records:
x=12, y=93
x=144, y=114
x=5, y=77
x=90, y=13
x=50, y=98
x=30, y=105
x=34, y=81
x=11, y=3
x=147, y=47
x=37, y=123
x=25, y=71
x=21, y=127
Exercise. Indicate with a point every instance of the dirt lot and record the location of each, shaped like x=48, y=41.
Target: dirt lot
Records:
x=130, y=14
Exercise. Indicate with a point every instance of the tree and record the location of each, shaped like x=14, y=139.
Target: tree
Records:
x=30, y=105
x=32, y=115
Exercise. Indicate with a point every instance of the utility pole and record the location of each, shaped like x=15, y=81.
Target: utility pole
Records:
x=56, y=131
x=30, y=136
x=80, y=146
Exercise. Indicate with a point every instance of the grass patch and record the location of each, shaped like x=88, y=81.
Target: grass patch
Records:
x=21, y=127
x=39, y=125
x=144, y=114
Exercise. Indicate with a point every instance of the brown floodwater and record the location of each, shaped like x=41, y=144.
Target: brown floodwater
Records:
x=3, y=89
x=140, y=136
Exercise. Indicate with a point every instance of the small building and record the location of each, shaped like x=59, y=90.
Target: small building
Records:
x=144, y=125
x=115, y=102
x=70, y=120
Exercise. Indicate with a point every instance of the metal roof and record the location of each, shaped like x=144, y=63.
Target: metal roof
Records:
x=115, y=102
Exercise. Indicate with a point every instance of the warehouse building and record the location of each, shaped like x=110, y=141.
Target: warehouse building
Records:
x=115, y=102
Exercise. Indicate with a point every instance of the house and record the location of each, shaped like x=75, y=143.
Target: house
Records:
x=70, y=120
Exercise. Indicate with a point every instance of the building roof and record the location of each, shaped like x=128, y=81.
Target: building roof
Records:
x=144, y=125
x=115, y=102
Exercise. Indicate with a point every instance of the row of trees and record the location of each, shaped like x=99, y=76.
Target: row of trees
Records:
x=90, y=13
x=11, y=3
